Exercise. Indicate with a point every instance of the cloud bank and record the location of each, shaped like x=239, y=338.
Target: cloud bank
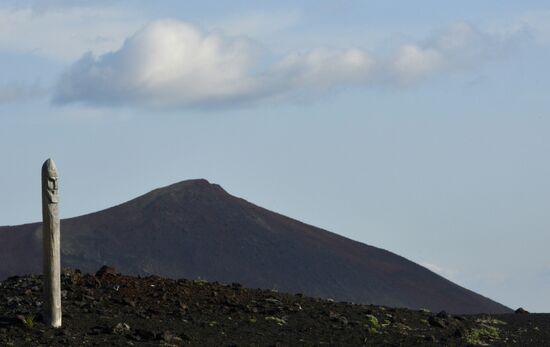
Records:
x=173, y=64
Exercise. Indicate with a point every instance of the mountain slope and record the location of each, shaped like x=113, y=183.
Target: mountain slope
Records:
x=196, y=229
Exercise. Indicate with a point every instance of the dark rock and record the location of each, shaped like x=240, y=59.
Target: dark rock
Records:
x=436, y=322
x=459, y=332
x=442, y=314
x=121, y=329
x=21, y=319
x=521, y=311
x=129, y=302
x=343, y=320
x=40, y=317
x=273, y=301
x=105, y=270
x=145, y=334
x=171, y=338
x=430, y=338
x=64, y=332
x=99, y=330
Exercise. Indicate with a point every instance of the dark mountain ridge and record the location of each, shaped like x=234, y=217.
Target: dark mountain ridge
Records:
x=196, y=229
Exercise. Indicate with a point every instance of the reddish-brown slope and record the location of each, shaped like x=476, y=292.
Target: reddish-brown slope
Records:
x=196, y=229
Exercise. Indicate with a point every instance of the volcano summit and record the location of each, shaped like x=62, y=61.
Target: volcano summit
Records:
x=196, y=229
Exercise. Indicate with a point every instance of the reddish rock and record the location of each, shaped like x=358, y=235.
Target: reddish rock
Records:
x=105, y=270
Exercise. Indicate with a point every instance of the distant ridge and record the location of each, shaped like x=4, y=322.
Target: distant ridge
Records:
x=196, y=229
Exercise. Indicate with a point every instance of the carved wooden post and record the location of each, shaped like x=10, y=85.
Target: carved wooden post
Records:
x=51, y=244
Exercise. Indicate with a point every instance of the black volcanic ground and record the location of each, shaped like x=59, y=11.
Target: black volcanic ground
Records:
x=195, y=229
x=115, y=310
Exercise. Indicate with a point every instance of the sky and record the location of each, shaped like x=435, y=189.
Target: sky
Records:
x=418, y=127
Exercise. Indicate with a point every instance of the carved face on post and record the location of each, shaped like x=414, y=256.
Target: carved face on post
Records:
x=50, y=182
x=53, y=196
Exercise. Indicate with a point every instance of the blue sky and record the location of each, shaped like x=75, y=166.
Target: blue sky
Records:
x=418, y=127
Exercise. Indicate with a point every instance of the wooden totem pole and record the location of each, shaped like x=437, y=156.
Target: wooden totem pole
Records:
x=51, y=244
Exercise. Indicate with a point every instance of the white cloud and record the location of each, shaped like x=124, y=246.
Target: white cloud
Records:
x=166, y=64
x=174, y=64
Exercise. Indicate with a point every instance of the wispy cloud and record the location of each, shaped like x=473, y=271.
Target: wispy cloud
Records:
x=460, y=47
x=257, y=24
x=537, y=24
x=62, y=31
x=42, y=6
x=174, y=64
x=17, y=92
x=450, y=274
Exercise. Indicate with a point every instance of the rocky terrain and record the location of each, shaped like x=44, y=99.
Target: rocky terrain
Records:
x=109, y=309
x=196, y=229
